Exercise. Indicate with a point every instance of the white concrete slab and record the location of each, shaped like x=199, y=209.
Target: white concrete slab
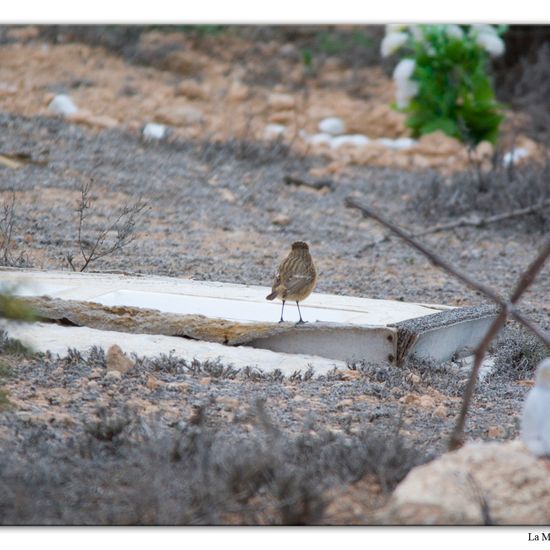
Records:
x=344, y=328
x=43, y=337
x=244, y=303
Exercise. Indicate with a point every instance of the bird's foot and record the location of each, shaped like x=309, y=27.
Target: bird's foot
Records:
x=281, y=321
x=301, y=322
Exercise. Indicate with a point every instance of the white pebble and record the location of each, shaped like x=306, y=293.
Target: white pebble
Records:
x=535, y=420
x=397, y=144
x=319, y=139
x=514, y=155
x=332, y=125
x=154, y=131
x=356, y=140
x=274, y=130
x=62, y=104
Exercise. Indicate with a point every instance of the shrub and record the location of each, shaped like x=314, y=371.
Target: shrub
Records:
x=442, y=83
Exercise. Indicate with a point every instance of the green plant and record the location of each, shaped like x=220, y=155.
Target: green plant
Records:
x=443, y=82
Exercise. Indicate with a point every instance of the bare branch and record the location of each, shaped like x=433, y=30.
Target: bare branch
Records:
x=124, y=224
x=7, y=225
x=468, y=222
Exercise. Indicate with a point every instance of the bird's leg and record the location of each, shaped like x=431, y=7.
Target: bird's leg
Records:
x=282, y=309
x=301, y=321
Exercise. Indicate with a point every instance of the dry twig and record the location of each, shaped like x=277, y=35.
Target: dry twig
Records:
x=474, y=221
x=124, y=224
x=507, y=307
x=7, y=224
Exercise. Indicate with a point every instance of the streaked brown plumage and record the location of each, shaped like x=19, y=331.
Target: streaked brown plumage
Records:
x=296, y=277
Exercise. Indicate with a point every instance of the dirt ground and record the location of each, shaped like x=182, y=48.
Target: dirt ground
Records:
x=219, y=208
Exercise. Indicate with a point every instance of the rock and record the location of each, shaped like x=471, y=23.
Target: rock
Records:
x=187, y=63
x=514, y=484
x=332, y=125
x=424, y=401
x=353, y=140
x=227, y=195
x=274, y=130
x=397, y=144
x=319, y=139
x=413, y=378
x=191, y=89
x=282, y=117
x=62, y=104
x=378, y=121
x=281, y=102
x=238, y=91
x=535, y=420
x=152, y=382
x=494, y=432
x=281, y=219
x=288, y=50
x=440, y=411
x=437, y=144
x=514, y=156
x=153, y=131
x=117, y=361
x=182, y=115
x=113, y=376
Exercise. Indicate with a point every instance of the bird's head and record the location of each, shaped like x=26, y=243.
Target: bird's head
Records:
x=300, y=245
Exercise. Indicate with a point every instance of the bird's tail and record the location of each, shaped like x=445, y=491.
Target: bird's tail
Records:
x=271, y=296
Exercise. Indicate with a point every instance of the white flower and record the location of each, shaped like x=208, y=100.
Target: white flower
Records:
x=417, y=33
x=491, y=43
x=404, y=70
x=395, y=27
x=404, y=92
x=454, y=31
x=405, y=88
x=478, y=29
x=392, y=42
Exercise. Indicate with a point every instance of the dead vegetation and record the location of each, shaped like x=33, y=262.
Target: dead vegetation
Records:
x=117, y=233
x=7, y=236
x=131, y=472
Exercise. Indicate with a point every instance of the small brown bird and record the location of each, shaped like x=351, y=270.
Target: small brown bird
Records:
x=296, y=277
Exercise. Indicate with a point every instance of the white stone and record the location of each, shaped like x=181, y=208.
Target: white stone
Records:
x=397, y=144
x=513, y=156
x=154, y=131
x=332, y=125
x=448, y=490
x=356, y=140
x=535, y=421
x=62, y=104
x=274, y=130
x=319, y=139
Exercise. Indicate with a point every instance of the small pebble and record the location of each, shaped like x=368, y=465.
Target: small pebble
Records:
x=332, y=125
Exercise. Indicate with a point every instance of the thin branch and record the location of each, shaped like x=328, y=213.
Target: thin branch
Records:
x=446, y=266
x=468, y=222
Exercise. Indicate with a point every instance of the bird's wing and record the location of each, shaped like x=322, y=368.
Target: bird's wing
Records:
x=295, y=283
